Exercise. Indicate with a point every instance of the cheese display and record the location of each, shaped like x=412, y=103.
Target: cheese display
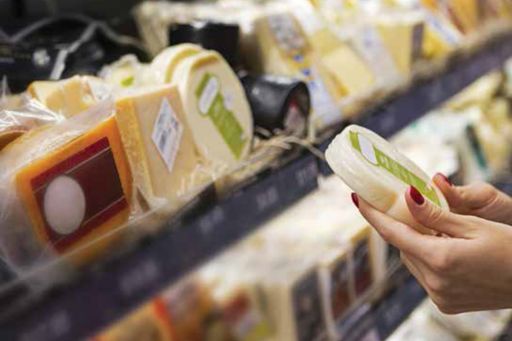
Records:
x=70, y=96
x=216, y=108
x=282, y=48
x=377, y=172
x=65, y=194
x=159, y=145
x=165, y=63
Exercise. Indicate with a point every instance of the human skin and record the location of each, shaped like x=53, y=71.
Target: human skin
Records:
x=468, y=265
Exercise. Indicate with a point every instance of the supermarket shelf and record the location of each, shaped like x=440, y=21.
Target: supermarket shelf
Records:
x=72, y=313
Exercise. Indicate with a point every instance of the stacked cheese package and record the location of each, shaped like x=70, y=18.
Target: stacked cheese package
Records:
x=295, y=279
x=126, y=150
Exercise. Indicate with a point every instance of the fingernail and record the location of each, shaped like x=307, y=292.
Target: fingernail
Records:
x=445, y=178
x=355, y=199
x=416, y=196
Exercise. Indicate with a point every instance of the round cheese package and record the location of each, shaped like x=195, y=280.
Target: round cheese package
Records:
x=380, y=174
x=216, y=108
x=165, y=63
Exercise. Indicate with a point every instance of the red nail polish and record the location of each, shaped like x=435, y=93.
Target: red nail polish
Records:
x=445, y=178
x=355, y=199
x=416, y=195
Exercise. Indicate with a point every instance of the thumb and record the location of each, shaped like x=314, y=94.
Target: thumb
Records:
x=434, y=218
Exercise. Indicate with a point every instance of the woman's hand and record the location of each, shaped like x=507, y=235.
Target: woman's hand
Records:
x=469, y=271
x=478, y=199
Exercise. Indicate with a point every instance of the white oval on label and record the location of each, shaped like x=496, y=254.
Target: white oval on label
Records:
x=64, y=205
x=367, y=149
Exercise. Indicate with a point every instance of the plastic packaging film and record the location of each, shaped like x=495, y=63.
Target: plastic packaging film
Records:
x=379, y=173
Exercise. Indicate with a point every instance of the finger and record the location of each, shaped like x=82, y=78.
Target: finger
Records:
x=433, y=217
x=396, y=233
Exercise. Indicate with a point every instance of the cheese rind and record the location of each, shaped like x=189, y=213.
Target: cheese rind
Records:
x=377, y=172
x=216, y=107
x=166, y=62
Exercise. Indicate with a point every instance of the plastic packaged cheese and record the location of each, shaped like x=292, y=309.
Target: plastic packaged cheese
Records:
x=65, y=186
x=216, y=108
x=379, y=173
x=70, y=96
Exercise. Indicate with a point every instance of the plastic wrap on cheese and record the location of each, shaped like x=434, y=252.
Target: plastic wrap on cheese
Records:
x=379, y=173
x=63, y=187
x=28, y=114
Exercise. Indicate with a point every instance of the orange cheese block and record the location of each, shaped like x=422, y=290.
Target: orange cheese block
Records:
x=79, y=192
x=149, y=323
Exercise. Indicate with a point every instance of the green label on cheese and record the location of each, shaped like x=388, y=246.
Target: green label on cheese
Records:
x=212, y=104
x=378, y=158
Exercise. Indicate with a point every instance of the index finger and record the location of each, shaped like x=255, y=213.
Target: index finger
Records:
x=398, y=234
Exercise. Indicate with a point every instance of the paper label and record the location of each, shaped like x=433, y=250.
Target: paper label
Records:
x=378, y=158
x=167, y=134
x=339, y=289
x=323, y=104
x=287, y=33
x=214, y=104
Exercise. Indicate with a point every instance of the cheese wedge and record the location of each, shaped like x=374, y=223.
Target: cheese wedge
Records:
x=282, y=47
x=70, y=96
x=380, y=174
x=216, y=108
x=403, y=39
x=76, y=194
x=165, y=63
x=159, y=144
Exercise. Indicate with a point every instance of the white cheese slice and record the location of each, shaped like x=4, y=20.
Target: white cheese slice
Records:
x=379, y=173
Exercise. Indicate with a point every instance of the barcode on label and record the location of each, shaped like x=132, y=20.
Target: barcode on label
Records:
x=167, y=134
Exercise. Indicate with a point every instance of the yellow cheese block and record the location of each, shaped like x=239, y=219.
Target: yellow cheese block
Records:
x=344, y=65
x=76, y=194
x=71, y=96
x=165, y=63
x=283, y=48
x=403, y=39
x=216, y=108
x=149, y=323
x=159, y=144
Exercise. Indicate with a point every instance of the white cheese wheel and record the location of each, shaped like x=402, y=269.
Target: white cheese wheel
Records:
x=216, y=108
x=164, y=64
x=379, y=173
